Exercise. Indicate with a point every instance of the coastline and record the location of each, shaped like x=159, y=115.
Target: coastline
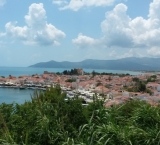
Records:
x=18, y=71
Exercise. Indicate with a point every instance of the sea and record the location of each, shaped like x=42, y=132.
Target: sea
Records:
x=10, y=95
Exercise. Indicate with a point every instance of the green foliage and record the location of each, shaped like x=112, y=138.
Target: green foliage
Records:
x=124, y=124
x=71, y=72
x=107, y=86
x=86, y=73
x=110, y=74
x=139, y=86
x=130, y=89
x=58, y=73
x=50, y=119
x=70, y=80
x=109, y=78
x=152, y=78
x=135, y=79
x=149, y=91
x=93, y=73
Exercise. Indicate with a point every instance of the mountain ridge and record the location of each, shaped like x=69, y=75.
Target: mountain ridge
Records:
x=129, y=63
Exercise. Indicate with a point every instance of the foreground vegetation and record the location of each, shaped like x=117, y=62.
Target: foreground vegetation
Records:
x=52, y=119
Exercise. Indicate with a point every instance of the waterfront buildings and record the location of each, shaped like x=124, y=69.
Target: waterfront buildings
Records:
x=112, y=88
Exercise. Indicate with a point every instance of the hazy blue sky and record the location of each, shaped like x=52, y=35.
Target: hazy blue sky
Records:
x=74, y=30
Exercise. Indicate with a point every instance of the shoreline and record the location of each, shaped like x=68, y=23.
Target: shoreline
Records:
x=21, y=87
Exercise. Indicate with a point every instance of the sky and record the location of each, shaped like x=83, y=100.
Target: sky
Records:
x=33, y=31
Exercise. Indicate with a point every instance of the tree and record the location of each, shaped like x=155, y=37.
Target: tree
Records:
x=93, y=73
x=154, y=76
x=141, y=86
x=50, y=119
x=135, y=79
x=109, y=78
x=65, y=72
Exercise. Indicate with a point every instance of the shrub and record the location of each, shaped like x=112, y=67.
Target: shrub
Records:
x=49, y=119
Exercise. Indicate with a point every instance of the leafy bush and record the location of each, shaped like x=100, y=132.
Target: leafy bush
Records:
x=70, y=80
x=50, y=119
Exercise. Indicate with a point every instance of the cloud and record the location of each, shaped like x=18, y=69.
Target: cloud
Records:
x=59, y=2
x=131, y=53
x=113, y=53
x=85, y=41
x=37, y=31
x=2, y=2
x=120, y=30
x=115, y=27
x=75, y=5
x=2, y=34
x=117, y=54
x=154, y=51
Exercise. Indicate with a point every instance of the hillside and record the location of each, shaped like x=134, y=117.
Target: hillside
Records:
x=130, y=63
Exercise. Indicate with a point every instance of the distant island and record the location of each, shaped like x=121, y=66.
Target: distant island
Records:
x=129, y=63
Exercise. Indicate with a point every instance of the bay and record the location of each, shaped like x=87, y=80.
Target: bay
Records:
x=9, y=95
x=17, y=71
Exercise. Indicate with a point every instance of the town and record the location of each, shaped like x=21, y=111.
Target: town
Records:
x=113, y=88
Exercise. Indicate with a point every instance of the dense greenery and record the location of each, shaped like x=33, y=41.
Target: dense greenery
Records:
x=51, y=119
x=94, y=73
x=70, y=80
x=152, y=78
x=71, y=72
x=135, y=79
x=139, y=86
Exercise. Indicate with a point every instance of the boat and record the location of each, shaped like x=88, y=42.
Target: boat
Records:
x=22, y=87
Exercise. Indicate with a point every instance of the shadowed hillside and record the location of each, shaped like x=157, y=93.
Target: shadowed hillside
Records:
x=130, y=63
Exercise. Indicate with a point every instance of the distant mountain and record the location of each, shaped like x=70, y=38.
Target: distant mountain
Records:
x=130, y=63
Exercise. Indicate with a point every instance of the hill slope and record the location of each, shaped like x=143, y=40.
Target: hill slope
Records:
x=130, y=63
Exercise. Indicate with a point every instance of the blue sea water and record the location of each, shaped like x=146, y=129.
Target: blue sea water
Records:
x=17, y=71
x=9, y=95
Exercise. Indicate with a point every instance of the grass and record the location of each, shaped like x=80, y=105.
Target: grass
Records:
x=50, y=120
